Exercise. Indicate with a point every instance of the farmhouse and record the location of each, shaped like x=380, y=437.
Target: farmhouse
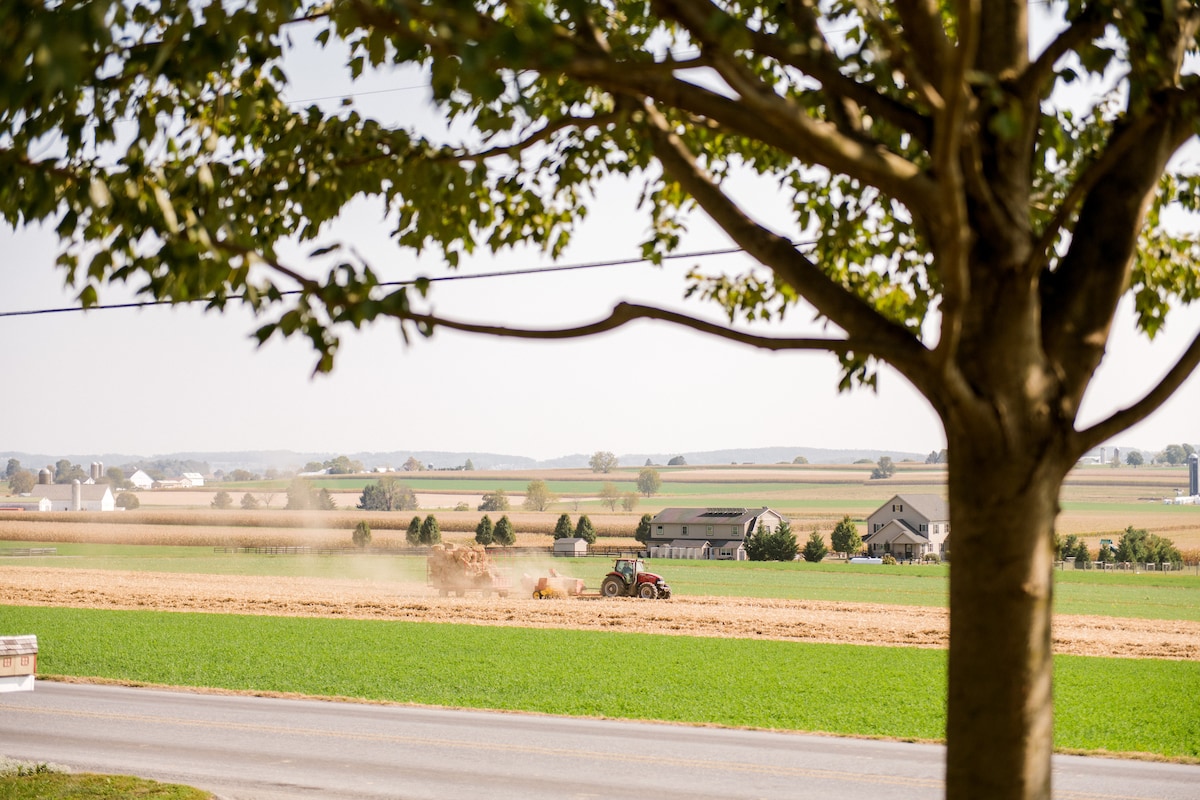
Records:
x=708, y=533
x=141, y=480
x=909, y=526
x=75, y=496
x=192, y=479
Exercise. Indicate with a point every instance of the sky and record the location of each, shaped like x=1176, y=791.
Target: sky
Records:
x=175, y=379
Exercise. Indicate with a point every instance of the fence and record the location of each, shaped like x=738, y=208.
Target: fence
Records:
x=25, y=552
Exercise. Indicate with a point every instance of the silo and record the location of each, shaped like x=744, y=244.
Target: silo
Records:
x=97, y=471
x=1193, y=475
x=45, y=476
x=76, y=495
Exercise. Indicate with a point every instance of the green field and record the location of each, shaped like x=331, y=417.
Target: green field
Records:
x=846, y=689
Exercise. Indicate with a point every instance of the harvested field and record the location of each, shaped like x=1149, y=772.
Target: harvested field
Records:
x=789, y=620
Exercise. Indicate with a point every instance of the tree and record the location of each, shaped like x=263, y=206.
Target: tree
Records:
x=602, y=461
x=362, y=534
x=413, y=464
x=642, y=533
x=242, y=476
x=431, y=532
x=845, y=538
x=127, y=500
x=504, y=533
x=1174, y=454
x=469, y=466
x=884, y=469
x=971, y=223
x=222, y=500
x=342, y=465
x=116, y=476
x=494, y=501
x=538, y=496
x=563, y=528
x=799, y=460
x=301, y=494
x=677, y=461
x=412, y=534
x=325, y=500
x=814, y=548
x=387, y=494
x=649, y=481
x=483, y=531
x=249, y=502
x=21, y=481
x=584, y=530
x=1134, y=458
x=14, y=466
x=772, y=545
x=610, y=495
x=629, y=501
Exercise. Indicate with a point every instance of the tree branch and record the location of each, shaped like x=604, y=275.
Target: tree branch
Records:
x=1131, y=415
x=846, y=309
x=624, y=313
x=1038, y=78
x=541, y=135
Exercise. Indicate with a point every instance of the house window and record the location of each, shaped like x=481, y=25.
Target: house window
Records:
x=709, y=530
x=685, y=530
x=924, y=528
x=766, y=528
x=733, y=531
x=660, y=530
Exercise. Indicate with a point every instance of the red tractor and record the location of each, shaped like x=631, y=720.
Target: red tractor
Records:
x=630, y=579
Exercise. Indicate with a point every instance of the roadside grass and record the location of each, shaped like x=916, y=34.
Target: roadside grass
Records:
x=732, y=682
x=90, y=786
x=1145, y=595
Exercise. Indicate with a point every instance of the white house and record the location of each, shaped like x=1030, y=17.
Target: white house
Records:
x=192, y=479
x=708, y=533
x=76, y=496
x=909, y=526
x=141, y=480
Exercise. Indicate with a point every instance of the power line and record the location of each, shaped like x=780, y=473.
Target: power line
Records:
x=390, y=284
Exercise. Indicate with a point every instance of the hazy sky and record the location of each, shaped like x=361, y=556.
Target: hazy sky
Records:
x=164, y=380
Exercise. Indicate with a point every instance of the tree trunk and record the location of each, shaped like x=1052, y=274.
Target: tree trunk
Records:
x=1000, y=716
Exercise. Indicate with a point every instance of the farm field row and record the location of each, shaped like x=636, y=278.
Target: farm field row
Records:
x=1164, y=596
x=781, y=685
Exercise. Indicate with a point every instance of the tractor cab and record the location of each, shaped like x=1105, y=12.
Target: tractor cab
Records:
x=629, y=578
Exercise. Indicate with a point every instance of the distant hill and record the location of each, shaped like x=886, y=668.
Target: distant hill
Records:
x=288, y=460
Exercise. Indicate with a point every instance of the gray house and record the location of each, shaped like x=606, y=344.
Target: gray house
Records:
x=708, y=533
x=908, y=526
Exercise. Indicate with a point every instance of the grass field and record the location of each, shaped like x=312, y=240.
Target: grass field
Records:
x=752, y=683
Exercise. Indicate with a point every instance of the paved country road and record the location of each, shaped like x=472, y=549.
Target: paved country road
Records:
x=254, y=748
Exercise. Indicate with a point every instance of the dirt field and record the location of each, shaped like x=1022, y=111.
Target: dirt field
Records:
x=791, y=620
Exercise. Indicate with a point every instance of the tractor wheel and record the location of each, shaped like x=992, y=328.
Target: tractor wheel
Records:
x=648, y=591
x=612, y=587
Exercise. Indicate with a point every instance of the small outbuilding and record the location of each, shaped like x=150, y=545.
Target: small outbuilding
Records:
x=570, y=546
x=18, y=663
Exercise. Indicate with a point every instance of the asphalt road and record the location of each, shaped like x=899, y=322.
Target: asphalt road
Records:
x=253, y=748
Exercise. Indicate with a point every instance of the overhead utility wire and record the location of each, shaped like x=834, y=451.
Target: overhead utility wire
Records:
x=386, y=284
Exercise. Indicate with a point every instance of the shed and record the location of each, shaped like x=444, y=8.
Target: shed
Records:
x=18, y=663
x=570, y=546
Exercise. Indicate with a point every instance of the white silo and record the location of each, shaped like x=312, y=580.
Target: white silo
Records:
x=76, y=495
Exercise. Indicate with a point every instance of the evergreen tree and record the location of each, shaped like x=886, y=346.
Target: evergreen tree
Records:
x=222, y=500
x=362, y=535
x=814, y=548
x=504, y=533
x=430, y=532
x=584, y=530
x=642, y=534
x=483, y=531
x=413, y=534
x=249, y=502
x=563, y=528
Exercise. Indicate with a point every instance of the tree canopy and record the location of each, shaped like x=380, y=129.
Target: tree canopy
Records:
x=603, y=461
x=951, y=194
